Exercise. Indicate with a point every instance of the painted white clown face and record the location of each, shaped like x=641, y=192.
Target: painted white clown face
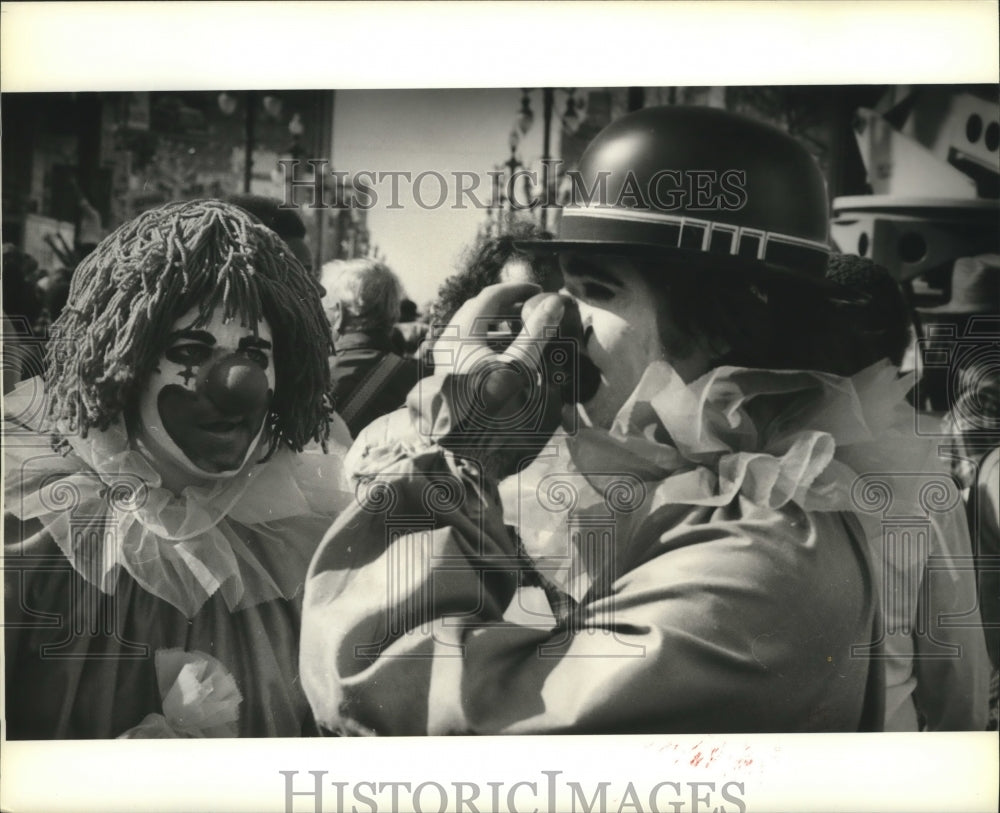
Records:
x=623, y=329
x=205, y=403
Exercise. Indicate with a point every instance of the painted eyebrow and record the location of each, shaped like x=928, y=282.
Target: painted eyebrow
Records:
x=253, y=341
x=581, y=268
x=202, y=336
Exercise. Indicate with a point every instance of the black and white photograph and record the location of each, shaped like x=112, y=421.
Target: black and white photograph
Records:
x=655, y=418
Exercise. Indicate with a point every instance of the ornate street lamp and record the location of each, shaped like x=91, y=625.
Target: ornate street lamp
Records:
x=504, y=192
x=525, y=116
x=570, y=122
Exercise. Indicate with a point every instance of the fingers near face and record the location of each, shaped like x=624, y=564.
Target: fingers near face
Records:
x=494, y=304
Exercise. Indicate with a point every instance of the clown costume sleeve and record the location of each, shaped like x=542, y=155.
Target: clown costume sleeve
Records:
x=698, y=568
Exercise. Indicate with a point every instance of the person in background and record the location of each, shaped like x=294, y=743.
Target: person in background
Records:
x=409, y=331
x=973, y=424
x=165, y=487
x=286, y=223
x=369, y=379
x=496, y=259
x=937, y=671
x=961, y=378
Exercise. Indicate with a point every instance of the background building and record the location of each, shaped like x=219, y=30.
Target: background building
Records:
x=77, y=165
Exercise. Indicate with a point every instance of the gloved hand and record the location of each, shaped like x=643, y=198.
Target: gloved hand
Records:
x=505, y=404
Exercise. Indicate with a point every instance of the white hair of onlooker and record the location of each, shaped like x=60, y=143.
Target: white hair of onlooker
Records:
x=361, y=295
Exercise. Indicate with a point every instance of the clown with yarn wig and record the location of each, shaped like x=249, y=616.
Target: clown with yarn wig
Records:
x=167, y=481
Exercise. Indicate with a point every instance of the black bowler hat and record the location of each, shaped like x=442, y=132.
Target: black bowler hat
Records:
x=702, y=185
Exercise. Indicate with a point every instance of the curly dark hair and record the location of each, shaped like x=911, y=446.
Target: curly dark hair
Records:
x=878, y=319
x=127, y=294
x=481, y=266
x=752, y=318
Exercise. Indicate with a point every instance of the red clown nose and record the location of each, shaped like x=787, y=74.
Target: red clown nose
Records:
x=236, y=385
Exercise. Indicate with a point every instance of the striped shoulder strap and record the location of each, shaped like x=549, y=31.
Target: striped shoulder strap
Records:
x=370, y=386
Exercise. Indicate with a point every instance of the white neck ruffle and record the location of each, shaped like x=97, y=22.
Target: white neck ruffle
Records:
x=765, y=437
x=770, y=436
x=249, y=537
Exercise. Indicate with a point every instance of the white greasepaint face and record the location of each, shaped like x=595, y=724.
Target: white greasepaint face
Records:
x=619, y=310
x=204, y=405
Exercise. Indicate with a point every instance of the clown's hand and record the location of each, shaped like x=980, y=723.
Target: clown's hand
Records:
x=200, y=698
x=502, y=404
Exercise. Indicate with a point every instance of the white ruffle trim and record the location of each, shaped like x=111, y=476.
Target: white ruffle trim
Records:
x=106, y=508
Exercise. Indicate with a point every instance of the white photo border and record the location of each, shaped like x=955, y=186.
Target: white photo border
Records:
x=126, y=46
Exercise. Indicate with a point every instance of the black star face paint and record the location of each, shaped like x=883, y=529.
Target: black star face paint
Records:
x=205, y=404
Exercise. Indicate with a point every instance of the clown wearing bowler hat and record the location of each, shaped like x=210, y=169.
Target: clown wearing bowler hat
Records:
x=166, y=486
x=667, y=545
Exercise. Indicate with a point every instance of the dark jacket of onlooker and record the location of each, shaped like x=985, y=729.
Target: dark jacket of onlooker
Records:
x=368, y=378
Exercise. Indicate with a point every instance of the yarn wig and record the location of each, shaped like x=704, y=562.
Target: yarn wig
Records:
x=127, y=294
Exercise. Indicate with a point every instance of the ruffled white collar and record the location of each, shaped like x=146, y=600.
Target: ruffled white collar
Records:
x=772, y=436
x=768, y=437
x=249, y=537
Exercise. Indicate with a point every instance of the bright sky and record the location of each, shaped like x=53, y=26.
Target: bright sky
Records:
x=416, y=131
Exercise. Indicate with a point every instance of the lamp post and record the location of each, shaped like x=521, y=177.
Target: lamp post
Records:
x=548, y=99
x=228, y=103
x=504, y=192
x=570, y=120
x=295, y=150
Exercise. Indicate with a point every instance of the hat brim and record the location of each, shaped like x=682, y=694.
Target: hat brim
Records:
x=689, y=257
